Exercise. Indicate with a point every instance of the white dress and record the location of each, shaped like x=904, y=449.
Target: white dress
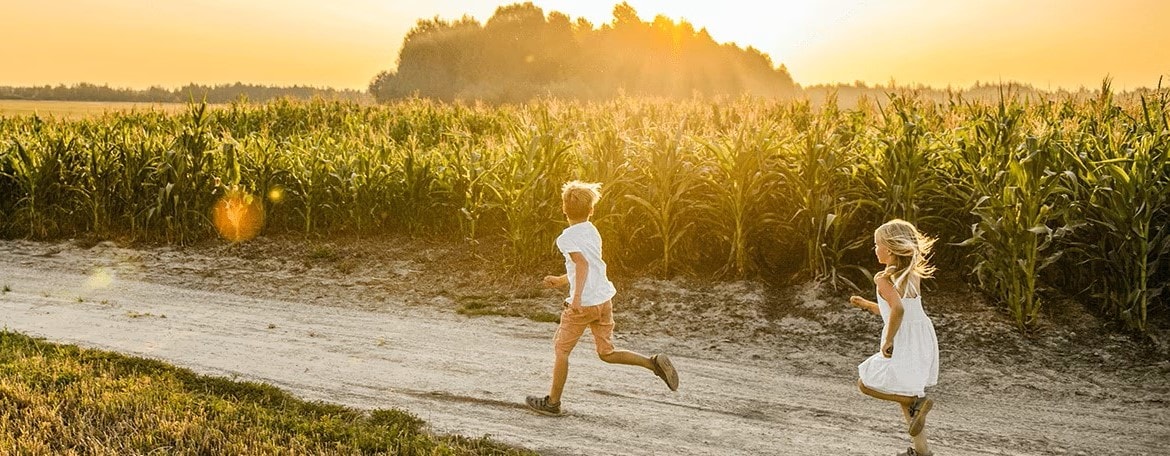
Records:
x=914, y=365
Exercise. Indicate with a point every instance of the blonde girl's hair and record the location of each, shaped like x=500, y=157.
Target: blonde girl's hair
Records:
x=911, y=250
x=579, y=198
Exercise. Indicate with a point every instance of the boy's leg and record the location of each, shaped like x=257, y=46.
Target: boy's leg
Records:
x=628, y=358
x=560, y=374
x=568, y=333
x=659, y=364
x=602, y=330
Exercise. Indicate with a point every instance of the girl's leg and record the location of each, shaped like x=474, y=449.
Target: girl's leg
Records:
x=904, y=401
x=919, y=442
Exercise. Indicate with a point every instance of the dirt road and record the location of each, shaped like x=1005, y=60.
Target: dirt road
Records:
x=470, y=375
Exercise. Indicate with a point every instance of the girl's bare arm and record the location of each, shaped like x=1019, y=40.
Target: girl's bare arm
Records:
x=886, y=289
x=864, y=304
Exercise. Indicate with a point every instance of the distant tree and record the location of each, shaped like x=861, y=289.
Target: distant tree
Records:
x=520, y=53
x=436, y=57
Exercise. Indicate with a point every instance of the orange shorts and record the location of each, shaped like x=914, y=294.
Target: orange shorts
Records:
x=599, y=320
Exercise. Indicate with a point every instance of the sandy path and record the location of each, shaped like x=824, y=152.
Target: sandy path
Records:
x=469, y=376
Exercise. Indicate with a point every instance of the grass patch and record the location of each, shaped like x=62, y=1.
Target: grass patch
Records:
x=324, y=253
x=347, y=266
x=498, y=305
x=60, y=399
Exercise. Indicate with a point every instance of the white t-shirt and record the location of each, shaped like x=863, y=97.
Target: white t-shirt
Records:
x=583, y=237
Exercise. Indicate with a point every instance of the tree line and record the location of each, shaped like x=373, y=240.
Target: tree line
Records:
x=223, y=93
x=521, y=53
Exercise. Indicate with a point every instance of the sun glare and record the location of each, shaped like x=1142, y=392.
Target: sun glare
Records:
x=238, y=216
x=276, y=195
x=344, y=44
x=777, y=28
x=100, y=278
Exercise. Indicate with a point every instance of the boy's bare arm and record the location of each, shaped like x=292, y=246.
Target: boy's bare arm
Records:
x=552, y=281
x=582, y=271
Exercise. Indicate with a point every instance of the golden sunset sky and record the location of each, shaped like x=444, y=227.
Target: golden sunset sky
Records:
x=344, y=43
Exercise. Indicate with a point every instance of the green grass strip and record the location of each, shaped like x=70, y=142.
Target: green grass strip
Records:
x=61, y=399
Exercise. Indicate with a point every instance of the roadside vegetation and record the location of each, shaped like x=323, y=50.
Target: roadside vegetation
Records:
x=60, y=399
x=1025, y=194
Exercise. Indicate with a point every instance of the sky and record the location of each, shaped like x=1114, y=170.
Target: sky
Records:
x=1050, y=44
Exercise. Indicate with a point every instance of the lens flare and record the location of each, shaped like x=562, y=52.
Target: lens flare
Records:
x=238, y=216
x=276, y=195
x=100, y=278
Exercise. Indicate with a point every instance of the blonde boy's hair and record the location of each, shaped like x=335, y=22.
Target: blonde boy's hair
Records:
x=910, y=249
x=579, y=198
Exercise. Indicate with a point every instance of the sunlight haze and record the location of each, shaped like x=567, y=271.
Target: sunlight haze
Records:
x=345, y=43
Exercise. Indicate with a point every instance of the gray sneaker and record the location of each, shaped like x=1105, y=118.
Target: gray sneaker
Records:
x=918, y=411
x=912, y=452
x=542, y=406
x=665, y=370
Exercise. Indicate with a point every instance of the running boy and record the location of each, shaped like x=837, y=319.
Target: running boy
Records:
x=589, y=302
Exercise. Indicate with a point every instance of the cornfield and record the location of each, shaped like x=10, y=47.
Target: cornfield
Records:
x=1069, y=193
